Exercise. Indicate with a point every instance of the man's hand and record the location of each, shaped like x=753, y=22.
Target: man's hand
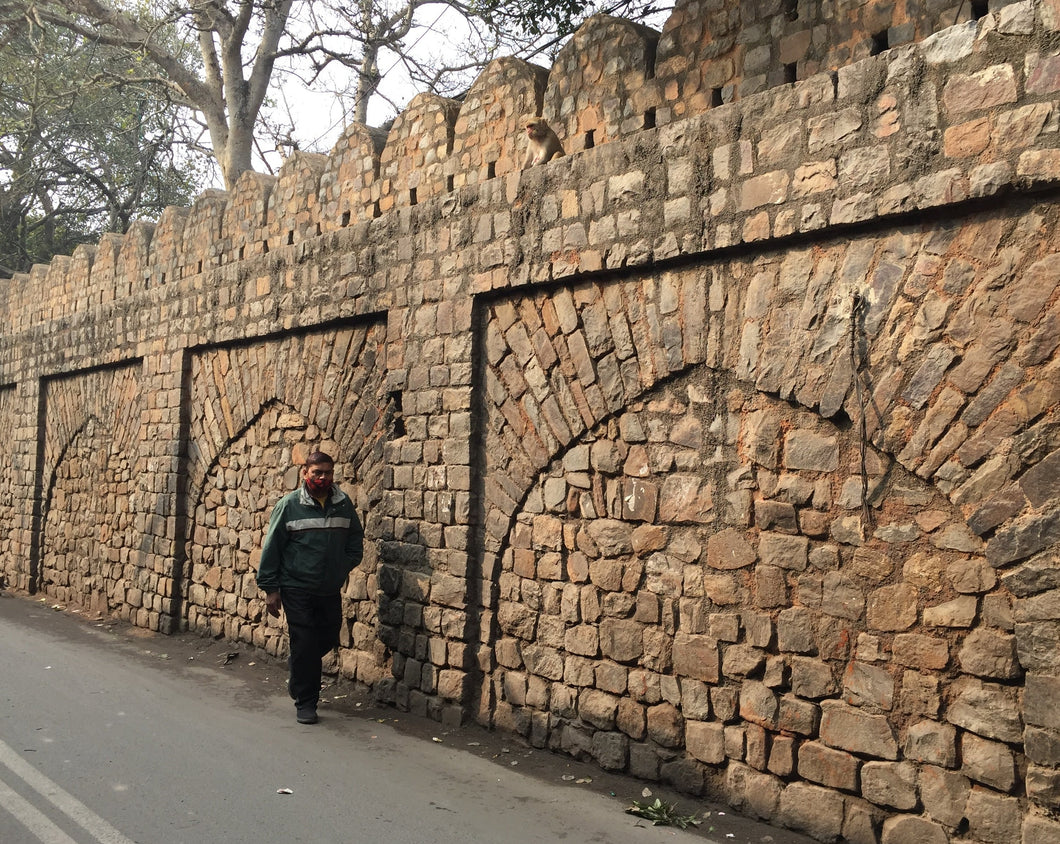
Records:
x=272, y=604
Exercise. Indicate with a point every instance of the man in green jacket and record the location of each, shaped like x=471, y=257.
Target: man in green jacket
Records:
x=313, y=542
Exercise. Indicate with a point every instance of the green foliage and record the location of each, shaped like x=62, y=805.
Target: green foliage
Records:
x=86, y=145
x=662, y=814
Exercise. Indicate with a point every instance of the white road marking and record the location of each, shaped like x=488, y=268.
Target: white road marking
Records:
x=66, y=803
x=32, y=818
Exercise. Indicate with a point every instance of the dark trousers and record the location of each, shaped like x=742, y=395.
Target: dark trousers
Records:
x=313, y=625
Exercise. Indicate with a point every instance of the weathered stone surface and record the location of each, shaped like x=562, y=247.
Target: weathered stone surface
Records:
x=849, y=728
x=944, y=794
x=598, y=708
x=988, y=762
x=990, y=654
x=758, y=704
x=890, y=784
x=863, y=683
x=932, y=742
x=829, y=767
x=1040, y=830
x=697, y=657
x=811, y=678
x=786, y=552
x=728, y=549
x=990, y=710
x=811, y=809
x=705, y=741
x=1041, y=702
x=795, y=631
x=1043, y=785
x=992, y=817
x=809, y=450
x=907, y=829
x=918, y=651
x=665, y=725
x=960, y=612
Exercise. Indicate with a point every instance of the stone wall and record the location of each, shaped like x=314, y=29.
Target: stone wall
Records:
x=722, y=451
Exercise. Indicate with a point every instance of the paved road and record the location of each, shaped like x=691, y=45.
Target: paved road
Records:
x=103, y=740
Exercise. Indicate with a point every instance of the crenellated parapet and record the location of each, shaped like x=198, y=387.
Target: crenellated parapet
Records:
x=600, y=87
x=244, y=226
x=612, y=80
x=411, y=165
x=167, y=246
x=350, y=178
x=293, y=211
x=491, y=116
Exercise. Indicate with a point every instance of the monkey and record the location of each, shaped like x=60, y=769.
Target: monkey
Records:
x=542, y=143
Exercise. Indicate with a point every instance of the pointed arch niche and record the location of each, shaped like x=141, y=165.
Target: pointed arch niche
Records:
x=257, y=411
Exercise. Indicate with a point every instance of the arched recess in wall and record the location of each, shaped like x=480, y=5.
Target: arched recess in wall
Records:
x=669, y=513
x=257, y=411
x=93, y=494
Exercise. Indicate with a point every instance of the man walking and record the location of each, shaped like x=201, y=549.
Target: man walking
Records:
x=313, y=542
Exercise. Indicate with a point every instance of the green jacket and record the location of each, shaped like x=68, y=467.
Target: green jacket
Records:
x=311, y=547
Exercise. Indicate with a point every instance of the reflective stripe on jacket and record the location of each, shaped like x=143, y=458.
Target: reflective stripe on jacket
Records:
x=309, y=546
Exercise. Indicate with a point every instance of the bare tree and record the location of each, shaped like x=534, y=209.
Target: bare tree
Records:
x=227, y=89
x=241, y=43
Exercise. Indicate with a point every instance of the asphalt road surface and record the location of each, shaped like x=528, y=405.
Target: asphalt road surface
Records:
x=109, y=735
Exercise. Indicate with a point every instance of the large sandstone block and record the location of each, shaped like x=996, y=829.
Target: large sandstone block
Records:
x=852, y=729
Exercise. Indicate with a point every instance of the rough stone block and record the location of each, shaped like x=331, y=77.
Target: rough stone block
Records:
x=696, y=657
x=933, y=742
x=944, y=794
x=811, y=809
x=990, y=654
x=988, y=762
x=827, y=766
x=849, y=728
x=993, y=818
x=705, y=741
x=906, y=829
x=892, y=784
x=993, y=711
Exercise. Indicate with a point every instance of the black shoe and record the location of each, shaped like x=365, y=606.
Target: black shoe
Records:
x=307, y=715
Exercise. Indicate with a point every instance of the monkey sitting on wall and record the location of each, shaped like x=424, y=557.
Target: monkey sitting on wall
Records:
x=542, y=143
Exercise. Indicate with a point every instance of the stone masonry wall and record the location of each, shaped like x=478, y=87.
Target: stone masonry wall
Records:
x=722, y=451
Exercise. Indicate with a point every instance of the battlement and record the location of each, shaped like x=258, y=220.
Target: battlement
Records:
x=613, y=80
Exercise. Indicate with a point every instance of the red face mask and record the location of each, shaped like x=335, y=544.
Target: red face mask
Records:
x=318, y=487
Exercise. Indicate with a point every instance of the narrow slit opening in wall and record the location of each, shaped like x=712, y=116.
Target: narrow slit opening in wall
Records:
x=412, y=196
x=162, y=280
x=345, y=218
x=491, y=170
x=879, y=43
x=649, y=118
x=450, y=183
x=318, y=229
x=242, y=251
x=590, y=141
x=375, y=209
x=398, y=421
x=199, y=270
x=290, y=238
x=791, y=72
x=791, y=10
x=650, y=55
x=716, y=99
x=265, y=247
